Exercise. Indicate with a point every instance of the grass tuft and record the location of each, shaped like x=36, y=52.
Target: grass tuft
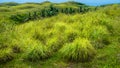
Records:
x=38, y=52
x=6, y=55
x=80, y=50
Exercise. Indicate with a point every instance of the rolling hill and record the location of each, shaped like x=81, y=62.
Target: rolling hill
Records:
x=59, y=35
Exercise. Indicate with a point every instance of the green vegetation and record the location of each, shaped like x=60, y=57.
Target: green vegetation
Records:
x=6, y=55
x=79, y=50
x=38, y=52
x=59, y=35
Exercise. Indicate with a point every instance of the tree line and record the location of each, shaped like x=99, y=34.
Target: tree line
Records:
x=47, y=12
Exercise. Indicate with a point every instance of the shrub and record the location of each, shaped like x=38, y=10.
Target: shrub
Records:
x=38, y=52
x=79, y=50
x=20, y=18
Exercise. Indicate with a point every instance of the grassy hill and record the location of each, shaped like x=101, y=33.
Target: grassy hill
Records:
x=59, y=35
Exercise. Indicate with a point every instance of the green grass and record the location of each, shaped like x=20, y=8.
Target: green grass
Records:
x=79, y=50
x=84, y=40
x=37, y=52
x=6, y=55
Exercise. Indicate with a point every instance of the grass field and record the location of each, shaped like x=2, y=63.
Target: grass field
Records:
x=61, y=36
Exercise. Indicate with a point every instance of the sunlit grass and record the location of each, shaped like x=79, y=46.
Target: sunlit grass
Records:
x=79, y=50
x=90, y=36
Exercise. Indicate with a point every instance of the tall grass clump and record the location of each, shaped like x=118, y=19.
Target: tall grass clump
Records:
x=55, y=43
x=40, y=36
x=6, y=55
x=37, y=52
x=17, y=47
x=80, y=50
x=100, y=36
x=71, y=34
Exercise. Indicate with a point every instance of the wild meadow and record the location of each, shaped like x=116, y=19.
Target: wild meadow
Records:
x=59, y=35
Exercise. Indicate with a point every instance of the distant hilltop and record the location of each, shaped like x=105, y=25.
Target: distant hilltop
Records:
x=45, y=2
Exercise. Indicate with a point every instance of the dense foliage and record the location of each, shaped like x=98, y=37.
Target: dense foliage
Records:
x=42, y=10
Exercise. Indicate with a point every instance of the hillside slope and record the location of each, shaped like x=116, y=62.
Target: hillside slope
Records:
x=77, y=40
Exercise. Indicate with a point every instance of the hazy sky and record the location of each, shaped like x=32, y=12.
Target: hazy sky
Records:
x=88, y=2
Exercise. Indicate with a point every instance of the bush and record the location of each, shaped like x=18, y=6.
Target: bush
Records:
x=38, y=52
x=20, y=18
x=79, y=50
